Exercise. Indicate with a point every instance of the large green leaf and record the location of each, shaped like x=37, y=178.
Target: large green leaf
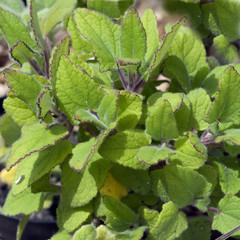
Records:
x=133, y=37
x=35, y=138
x=75, y=89
x=106, y=45
x=228, y=216
x=38, y=164
x=225, y=108
x=123, y=147
x=14, y=29
x=182, y=185
x=86, y=232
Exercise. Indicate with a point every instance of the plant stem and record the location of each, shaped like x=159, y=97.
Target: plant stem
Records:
x=228, y=234
x=123, y=78
x=214, y=210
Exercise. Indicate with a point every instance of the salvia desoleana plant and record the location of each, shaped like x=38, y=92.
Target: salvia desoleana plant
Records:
x=133, y=159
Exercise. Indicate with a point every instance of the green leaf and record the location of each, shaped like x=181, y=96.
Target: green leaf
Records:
x=229, y=18
x=17, y=27
x=24, y=86
x=200, y=76
x=75, y=89
x=80, y=188
x=169, y=224
x=189, y=48
x=14, y=5
x=225, y=108
x=198, y=229
x=228, y=216
x=151, y=155
x=106, y=45
x=44, y=103
x=135, y=234
x=148, y=217
x=79, y=44
x=24, y=203
x=57, y=12
x=136, y=179
x=150, y=25
x=129, y=110
x=22, y=53
x=21, y=226
x=9, y=130
x=61, y=235
x=35, y=138
x=72, y=218
x=226, y=51
x=200, y=102
x=104, y=234
x=86, y=232
x=183, y=185
x=161, y=123
x=84, y=152
x=175, y=68
x=133, y=37
x=38, y=164
x=123, y=147
x=228, y=170
x=119, y=215
x=164, y=47
x=231, y=135
x=21, y=113
x=62, y=49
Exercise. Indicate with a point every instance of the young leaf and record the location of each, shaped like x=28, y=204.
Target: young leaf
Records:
x=150, y=25
x=105, y=43
x=38, y=164
x=84, y=152
x=80, y=189
x=161, y=123
x=21, y=113
x=228, y=216
x=225, y=108
x=133, y=37
x=15, y=32
x=35, y=138
x=62, y=234
x=183, y=185
x=135, y=234
x=200, y=102
x=79, y=44
x=75, y=89
x=123, y=147
x=57, y=12
x=86, y=232
x=119, y=215
x=231, y=135
x=24, y=203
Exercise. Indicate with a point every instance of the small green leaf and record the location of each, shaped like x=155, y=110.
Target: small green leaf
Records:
x=75, y=89
x=129, y=110
x=80, y=188
x=136, y=179
x=133, y=37
x=135, y=234
x=24, y=86
x=200, y=76
x=14, y=29
x=150, y=25
x=229, y=215
x=228, y=170
x=119, y=215
x=44, y=103
x=104, y=234
x=21, y=113
x=86, y=151
x=225, y=108
x=57, y=12
x=123, y=147
x=105, y=43
x=38, y=164
x=161, y=123
x=34, y=138
x=183, y=185
x=86, y=232
x=228, y=18
x=231, y=135
x=200, y=102
x=79, y=44
x=151, y=155
x=61, y=235
x=9, y=130
x=24, y=203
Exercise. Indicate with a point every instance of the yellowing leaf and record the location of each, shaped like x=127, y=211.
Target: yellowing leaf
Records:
x=6, y=176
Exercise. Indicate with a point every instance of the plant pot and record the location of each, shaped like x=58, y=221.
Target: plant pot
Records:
x=35, y=229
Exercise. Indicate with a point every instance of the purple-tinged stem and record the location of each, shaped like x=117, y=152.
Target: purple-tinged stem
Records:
x=214, y=210
x=123, y=78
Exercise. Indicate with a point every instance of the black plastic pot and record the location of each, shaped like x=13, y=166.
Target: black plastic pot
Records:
x=35, y=229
